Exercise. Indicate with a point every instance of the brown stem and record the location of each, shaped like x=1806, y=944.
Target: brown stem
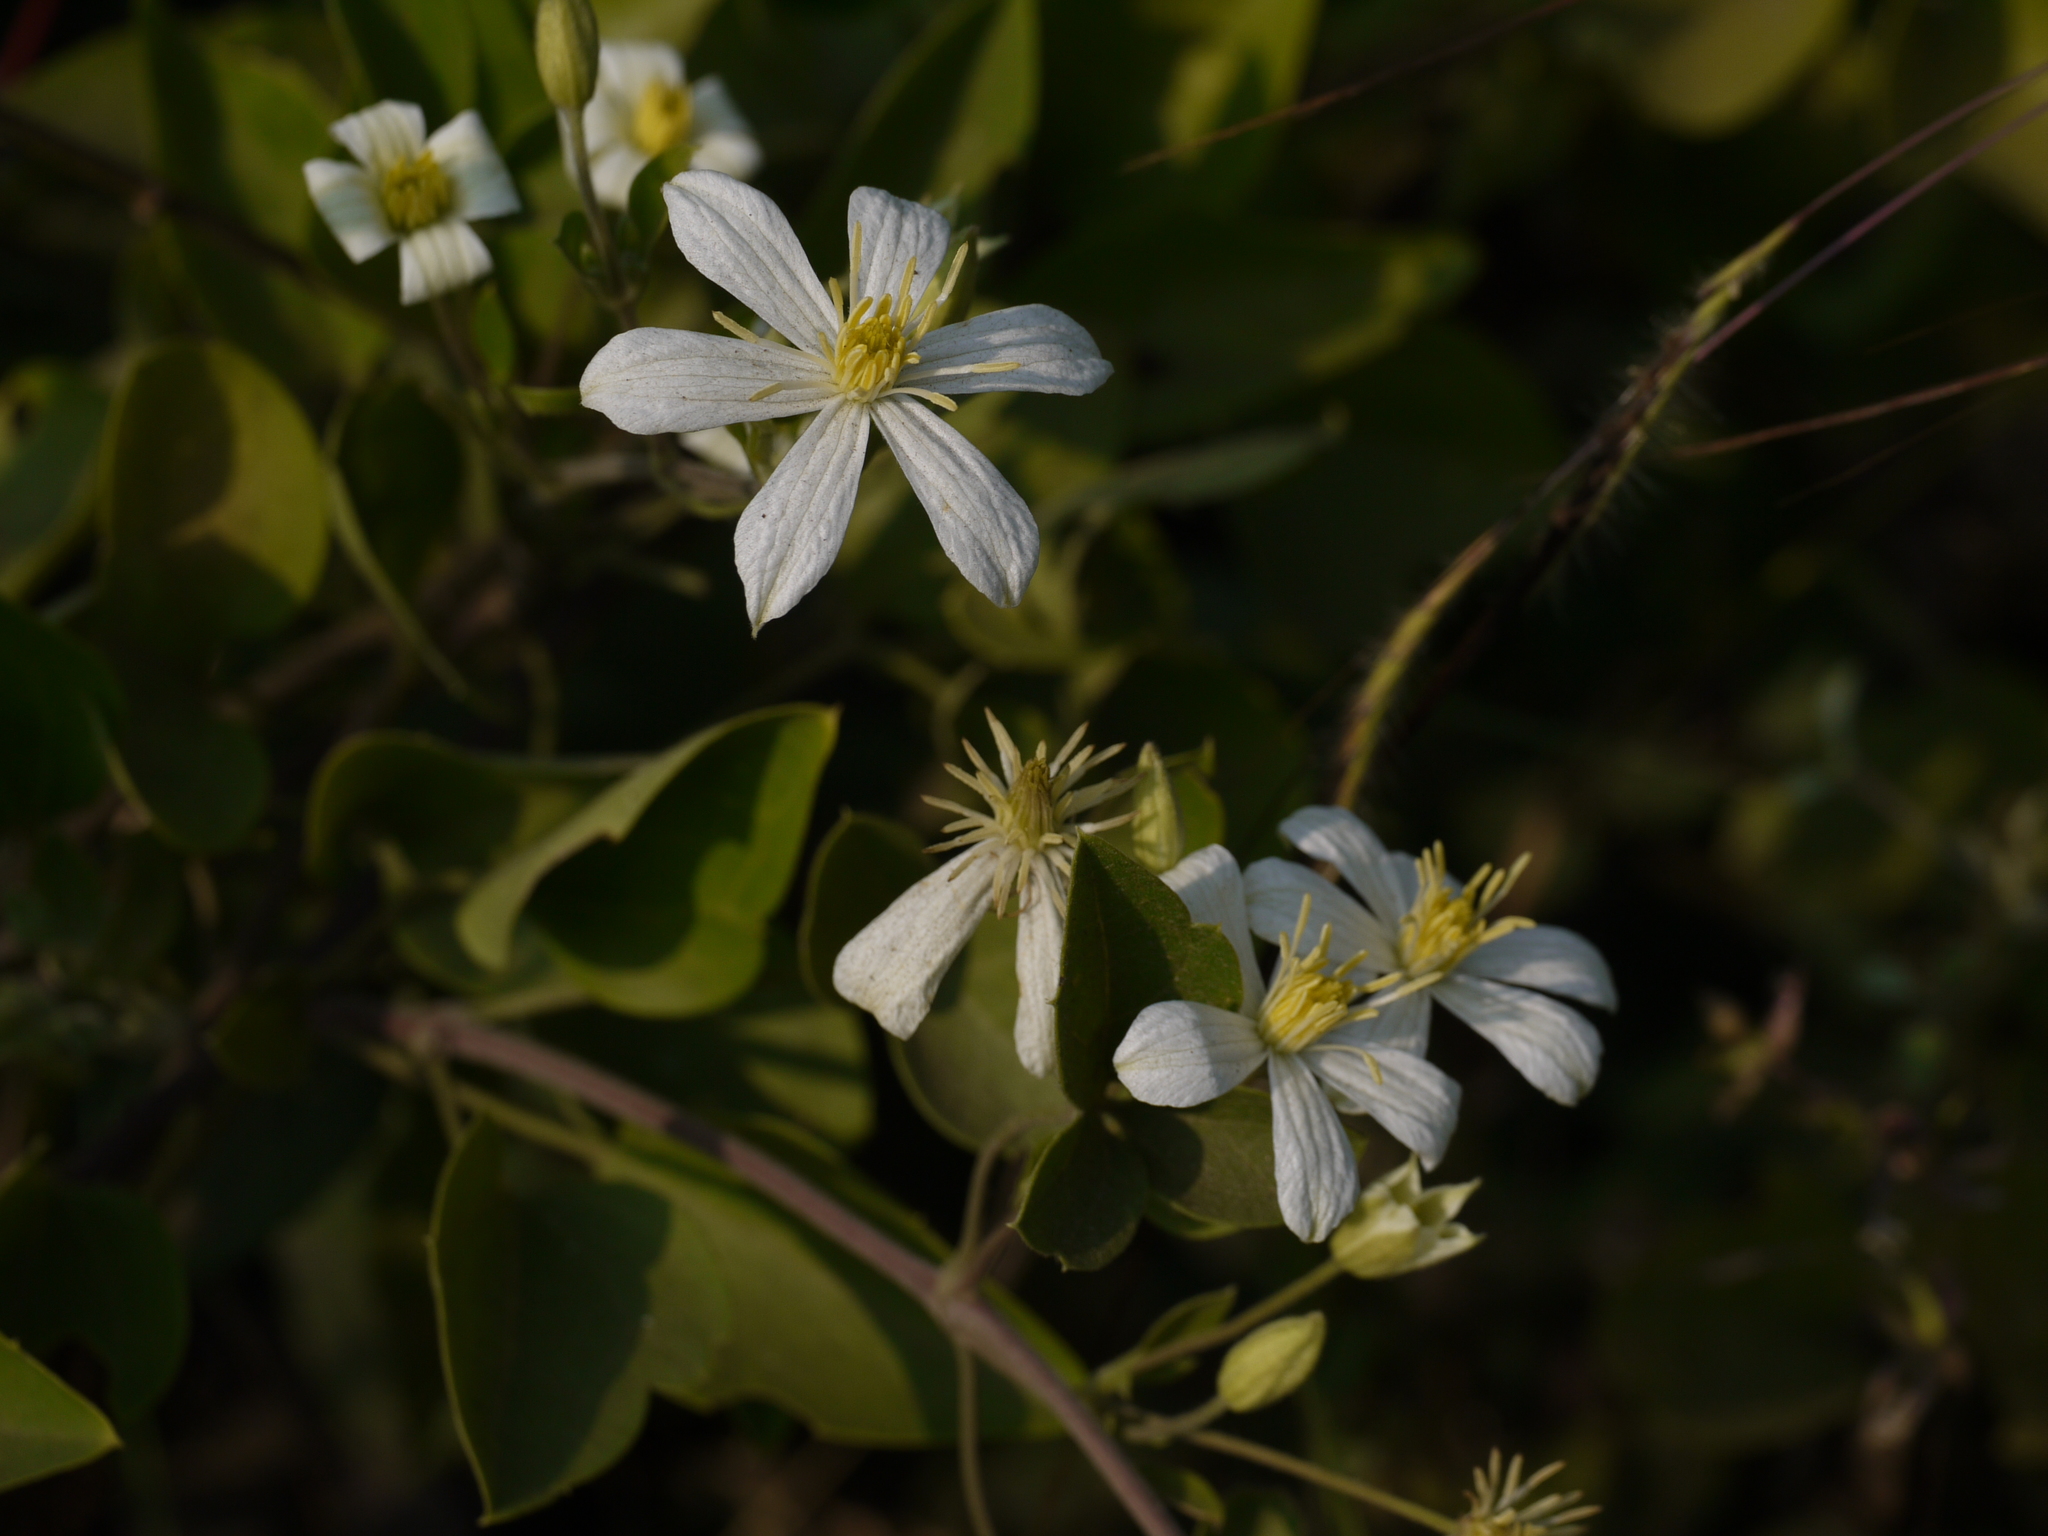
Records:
x=969, y=1319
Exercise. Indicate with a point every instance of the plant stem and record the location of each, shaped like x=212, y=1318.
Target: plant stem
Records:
x=577, y=152
x=970, y=1320
x=1195, y=1343
x=1309, y=1472
x=968, y=1393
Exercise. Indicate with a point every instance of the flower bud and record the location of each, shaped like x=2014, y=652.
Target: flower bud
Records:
x=1399, y=1226
x=1270, y=1362
x=565, y=47
x=1156, y=835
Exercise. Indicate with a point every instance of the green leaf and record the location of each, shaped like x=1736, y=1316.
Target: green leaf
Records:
x=1262, y=1512
x=55, y=700
x=863, y=864
x=215, y=496
x=974, y=68
x=1182, y=1320
x=1214, y=1163
x=401, y=460
x=95, y=1265
x=654, y=895
x=960, y=1068
x=422, y=53
x=262, y=1040
x=201, y=779
x=45, y=1427
x=1084, y=1197
x=490, y=327
x=1129, y=943
x=562, y=1303
x=1189, y=1492
x=50, y=421
x=508, y=88
x=1212, y=472
x=818, y=1333
x=1713, y=67
x=673, y=21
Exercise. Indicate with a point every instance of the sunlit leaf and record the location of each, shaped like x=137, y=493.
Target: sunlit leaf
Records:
x=45, y=1427
x=50, y=421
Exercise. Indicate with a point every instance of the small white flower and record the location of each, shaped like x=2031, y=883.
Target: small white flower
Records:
x=1317, y=1034
x=854, y=358
x=1021, y=847
x=1428, y=936
x=423, y=193
x=645, y=106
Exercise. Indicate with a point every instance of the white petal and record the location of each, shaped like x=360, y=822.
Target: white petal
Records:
x=1057, y=356
x=1549, y=1043
x=613, y=168
x=717, y=446
x=1402, y=1025
x=789, y=534
x=439, y=258
x=1312, y=1158
x=893, y=233
x=1332, y=833
x=1040, y=929
x=346, y=196
x=1181, y=1054
x=1549, y=959
x=483, y=187
x=1416, y=1102
x=608, y=115
x=625, y=70
x=654, y=380
x=982, y=523
x=1273, y=890
x=893, y=966
x=384, y=134
x=739, y=239
x=724, y=140
x=1209, y=881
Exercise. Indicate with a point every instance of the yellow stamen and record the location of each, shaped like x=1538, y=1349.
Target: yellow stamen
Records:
x=1304, y=1003
x=661, y=117
x=1440, y=929
x=876, y=338
x=416, y=192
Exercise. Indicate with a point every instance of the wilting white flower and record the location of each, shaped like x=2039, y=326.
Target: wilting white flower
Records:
x=420, y=192
x=853, y=358
x=1319, y=1037
x=1432, y=937
x=645, y=106
x=1021, y=848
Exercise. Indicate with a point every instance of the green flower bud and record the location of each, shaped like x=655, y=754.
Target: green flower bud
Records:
x=1156, y=835
x=1399, y=1226
x=565, y=47
x=1270, y=1362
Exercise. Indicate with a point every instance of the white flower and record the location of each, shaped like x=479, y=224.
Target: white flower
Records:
x=1022, y=846
x=1318, y=1037
x=1431, y=937
x=421, y=192
x=644, y=107
x=854, y=359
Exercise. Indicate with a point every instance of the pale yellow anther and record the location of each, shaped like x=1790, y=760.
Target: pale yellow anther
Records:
x=876, y=338
x=1304, y=1003
x=661, y=117
x=1441, y=928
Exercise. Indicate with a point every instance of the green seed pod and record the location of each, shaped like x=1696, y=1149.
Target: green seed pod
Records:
x=1270, y=1362
x=565, y=47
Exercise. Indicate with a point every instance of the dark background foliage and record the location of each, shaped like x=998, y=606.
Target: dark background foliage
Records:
x=1775, y=732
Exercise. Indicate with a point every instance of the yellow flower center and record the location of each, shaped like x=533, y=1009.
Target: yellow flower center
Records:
x=1028, y=815
x=661, y=117
x=1442, y=928
x=875, y=337
x=1303, y=1003
x=416, y=193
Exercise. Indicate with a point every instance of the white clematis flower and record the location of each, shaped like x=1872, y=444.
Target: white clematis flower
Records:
x=1317, y=1034
x=1021, y=848
x=645, y=106
x=1432, y=938
x=867, y=356
x=421, y=193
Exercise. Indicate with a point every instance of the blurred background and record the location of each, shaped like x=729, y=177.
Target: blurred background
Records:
x=1774, y=730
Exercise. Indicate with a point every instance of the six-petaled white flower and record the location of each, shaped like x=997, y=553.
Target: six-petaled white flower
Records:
x=645, y=106
x=1020, y=849
x=1437, y=939
x=421, y=193
x=873, y=354
x=1317, y=1033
